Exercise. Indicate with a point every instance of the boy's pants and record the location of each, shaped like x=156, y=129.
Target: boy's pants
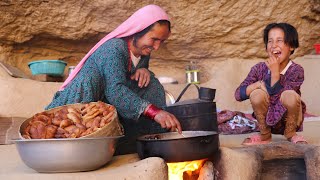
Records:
x=293, y=118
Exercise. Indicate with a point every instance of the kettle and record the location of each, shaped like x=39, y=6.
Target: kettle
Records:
x=196, y=114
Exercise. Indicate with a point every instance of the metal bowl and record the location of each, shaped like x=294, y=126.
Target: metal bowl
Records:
x=67, y=154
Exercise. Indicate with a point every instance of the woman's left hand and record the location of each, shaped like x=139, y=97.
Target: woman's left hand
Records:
x=143, y=76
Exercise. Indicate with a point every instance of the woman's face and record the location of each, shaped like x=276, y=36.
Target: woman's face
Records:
x=152, y=39
x=276, y=45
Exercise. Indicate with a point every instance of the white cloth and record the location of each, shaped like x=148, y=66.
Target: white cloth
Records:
x=135, y=60
x=238, y=121
x=286, y=68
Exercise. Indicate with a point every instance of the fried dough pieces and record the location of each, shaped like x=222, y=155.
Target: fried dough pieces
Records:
x=69, y=122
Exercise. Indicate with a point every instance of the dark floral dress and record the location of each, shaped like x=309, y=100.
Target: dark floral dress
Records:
x=291, y=80
x=105, y=77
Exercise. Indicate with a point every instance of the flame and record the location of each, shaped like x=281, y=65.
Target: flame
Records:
x=176, y=169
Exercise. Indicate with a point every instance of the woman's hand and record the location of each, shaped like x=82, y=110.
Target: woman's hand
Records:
x=142, y=75
x=168, y=121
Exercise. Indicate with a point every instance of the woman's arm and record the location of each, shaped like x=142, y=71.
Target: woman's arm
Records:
x=142, y=73
x=164, y=118
x=114, y=58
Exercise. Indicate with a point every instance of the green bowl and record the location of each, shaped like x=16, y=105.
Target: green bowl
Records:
x=49, y=67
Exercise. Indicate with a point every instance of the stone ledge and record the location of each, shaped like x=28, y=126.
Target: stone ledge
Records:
x=246, y=163
x=309, y=132
x=9, y=128
x=128, y=167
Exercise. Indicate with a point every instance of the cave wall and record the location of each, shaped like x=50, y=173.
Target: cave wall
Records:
x=202, y=30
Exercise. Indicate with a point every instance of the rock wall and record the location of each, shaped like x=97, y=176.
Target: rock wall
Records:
x=202, y=30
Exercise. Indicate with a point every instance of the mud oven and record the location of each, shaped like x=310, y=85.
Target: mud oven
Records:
x=280, y=160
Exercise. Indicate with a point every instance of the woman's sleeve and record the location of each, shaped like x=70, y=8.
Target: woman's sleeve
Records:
x=128, y=104
x=145, y=64
x=240, y=94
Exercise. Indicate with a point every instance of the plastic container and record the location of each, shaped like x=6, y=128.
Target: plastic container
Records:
x=317, y=48
x=49, y=67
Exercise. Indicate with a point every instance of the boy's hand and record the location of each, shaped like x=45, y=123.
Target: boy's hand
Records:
x=273, y=63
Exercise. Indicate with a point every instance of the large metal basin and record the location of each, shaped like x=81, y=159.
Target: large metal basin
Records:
x=66, y=155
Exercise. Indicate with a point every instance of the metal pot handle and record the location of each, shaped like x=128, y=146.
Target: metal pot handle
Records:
x=184, y=90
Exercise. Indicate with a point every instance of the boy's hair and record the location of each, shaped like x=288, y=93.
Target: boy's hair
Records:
x=290, y=34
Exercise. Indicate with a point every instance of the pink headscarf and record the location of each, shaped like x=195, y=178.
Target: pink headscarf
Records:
x=137, y=22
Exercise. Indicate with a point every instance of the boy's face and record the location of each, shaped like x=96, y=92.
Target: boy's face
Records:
x=276, y=45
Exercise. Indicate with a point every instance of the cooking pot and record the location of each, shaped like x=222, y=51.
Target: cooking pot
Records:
x=175, y=147
x=196, y=114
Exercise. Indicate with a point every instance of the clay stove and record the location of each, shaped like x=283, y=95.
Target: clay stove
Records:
x=280, y=160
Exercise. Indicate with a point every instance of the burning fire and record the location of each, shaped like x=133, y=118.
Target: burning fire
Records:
x=176, y=169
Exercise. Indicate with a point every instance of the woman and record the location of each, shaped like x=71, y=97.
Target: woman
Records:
x=115, y=71
x=273, y=88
